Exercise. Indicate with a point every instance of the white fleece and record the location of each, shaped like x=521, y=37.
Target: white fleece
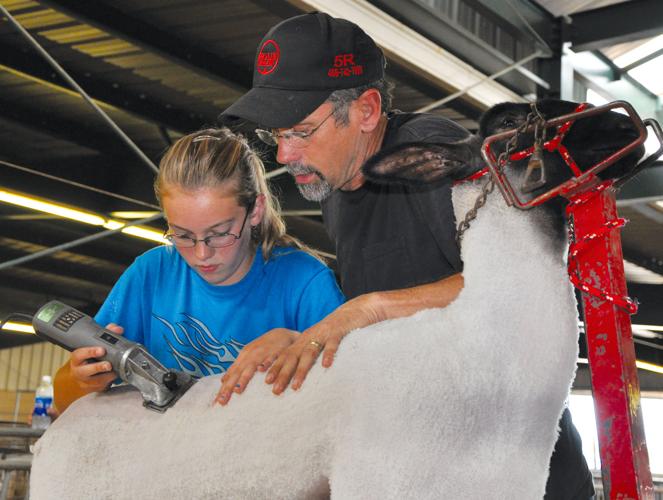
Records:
x=454, y=403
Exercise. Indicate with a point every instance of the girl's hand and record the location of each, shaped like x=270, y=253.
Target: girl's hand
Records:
x=255, y=356
x=90, y=375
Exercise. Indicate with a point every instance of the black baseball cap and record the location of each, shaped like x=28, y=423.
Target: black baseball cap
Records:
x=300, y=62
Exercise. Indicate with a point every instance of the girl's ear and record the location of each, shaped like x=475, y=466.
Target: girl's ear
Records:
x=258, y=210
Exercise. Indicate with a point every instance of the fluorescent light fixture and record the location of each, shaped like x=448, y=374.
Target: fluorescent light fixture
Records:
x=643, y=365
x=653, y=328
x=18, y=327
x=146, y=234
x=136, y=214
x=659, y=204
x=21, y=200
x=72, y=213
x=639, y=274
x=645, y=334
x=138, y=231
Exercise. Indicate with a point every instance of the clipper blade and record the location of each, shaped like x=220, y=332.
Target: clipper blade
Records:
x=177, y=394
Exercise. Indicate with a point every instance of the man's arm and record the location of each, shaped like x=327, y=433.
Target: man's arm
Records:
x=325, y=336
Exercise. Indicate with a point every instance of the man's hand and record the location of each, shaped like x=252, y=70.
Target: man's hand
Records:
x=255, y=356
x=296, y=361
x=93, y=376
x=324, y=337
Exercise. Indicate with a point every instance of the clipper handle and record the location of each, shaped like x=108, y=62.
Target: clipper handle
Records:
x=71, y=329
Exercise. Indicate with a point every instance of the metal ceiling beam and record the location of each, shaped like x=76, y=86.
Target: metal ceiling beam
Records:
x=153, y=39
x=645, y=188
x=66, y=130
x=118, y=251
x=280, y=8
x=9, y=340
x=409, y=48
x=465, y=45
x=54, y=285
x=618, y=23
x=649, y=296
x=28, y=66
x=104, y=276
x=652, y=263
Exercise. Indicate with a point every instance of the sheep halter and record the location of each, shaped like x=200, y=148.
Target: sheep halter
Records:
x=581, y=179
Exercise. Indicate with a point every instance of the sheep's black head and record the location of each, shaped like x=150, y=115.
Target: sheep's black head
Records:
x=589, y=139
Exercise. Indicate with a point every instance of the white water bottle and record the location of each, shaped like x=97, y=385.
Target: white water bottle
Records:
x=43, y=401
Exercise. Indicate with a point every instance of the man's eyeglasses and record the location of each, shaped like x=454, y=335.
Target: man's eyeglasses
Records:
x=218, y=240
x=295, y=138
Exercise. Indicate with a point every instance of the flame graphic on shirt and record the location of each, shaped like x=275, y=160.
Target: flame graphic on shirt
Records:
x=212, y=356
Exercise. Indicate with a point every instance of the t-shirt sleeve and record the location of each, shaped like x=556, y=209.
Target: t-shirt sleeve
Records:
x=319, y=297
x=124, y=304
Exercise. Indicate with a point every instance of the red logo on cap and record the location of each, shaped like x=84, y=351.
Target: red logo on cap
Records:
x=344, y=65
x=268, y=58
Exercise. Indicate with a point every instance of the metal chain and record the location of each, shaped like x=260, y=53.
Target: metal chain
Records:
x=472, y=213
x=533, y=117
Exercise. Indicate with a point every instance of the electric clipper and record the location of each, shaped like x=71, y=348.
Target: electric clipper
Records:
x=69, y=328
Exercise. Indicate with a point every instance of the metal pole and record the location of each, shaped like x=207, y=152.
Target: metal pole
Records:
x=611, y=353
x=17, y=403
x=20, y=432
x=15, y=462
x=461, y=92
x=70, y=244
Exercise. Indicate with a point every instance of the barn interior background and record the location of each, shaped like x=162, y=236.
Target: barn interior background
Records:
x=162, y=68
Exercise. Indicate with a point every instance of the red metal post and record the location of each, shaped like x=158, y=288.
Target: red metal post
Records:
x=624, y=459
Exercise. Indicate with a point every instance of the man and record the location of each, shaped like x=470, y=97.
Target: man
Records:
x=320, y=96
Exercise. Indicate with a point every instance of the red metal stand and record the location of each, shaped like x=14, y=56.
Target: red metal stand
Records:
x=596, y=268
x=624, y=459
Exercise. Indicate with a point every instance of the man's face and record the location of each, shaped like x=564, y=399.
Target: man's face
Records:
x=327, y=160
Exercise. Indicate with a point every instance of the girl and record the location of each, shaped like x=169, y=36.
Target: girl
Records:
x=231, y=275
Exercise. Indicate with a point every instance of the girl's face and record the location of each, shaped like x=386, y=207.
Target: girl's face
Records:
x=205, y=212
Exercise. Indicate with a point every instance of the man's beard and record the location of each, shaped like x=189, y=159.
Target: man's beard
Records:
x=315, y=191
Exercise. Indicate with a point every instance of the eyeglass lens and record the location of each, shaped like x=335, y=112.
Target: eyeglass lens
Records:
x=213, y=241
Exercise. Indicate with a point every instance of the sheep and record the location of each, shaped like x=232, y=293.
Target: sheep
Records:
x=460, y=402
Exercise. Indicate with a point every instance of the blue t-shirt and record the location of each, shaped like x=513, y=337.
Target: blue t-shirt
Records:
x=193, y=326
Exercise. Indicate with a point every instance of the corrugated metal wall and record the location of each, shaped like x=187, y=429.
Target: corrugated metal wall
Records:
x=21, y=369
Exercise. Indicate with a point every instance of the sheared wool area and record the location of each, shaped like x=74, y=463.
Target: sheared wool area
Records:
x=455, y=403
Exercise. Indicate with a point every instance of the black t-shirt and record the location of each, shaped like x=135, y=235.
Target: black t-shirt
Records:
x=393, y=236
x=390, y=237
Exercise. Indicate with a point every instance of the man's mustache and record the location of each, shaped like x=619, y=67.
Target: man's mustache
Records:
x=300, y=169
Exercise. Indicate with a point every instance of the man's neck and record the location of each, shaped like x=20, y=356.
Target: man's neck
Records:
x=373, y=146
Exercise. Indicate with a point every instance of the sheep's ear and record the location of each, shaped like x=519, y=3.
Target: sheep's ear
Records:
x=423, y=163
